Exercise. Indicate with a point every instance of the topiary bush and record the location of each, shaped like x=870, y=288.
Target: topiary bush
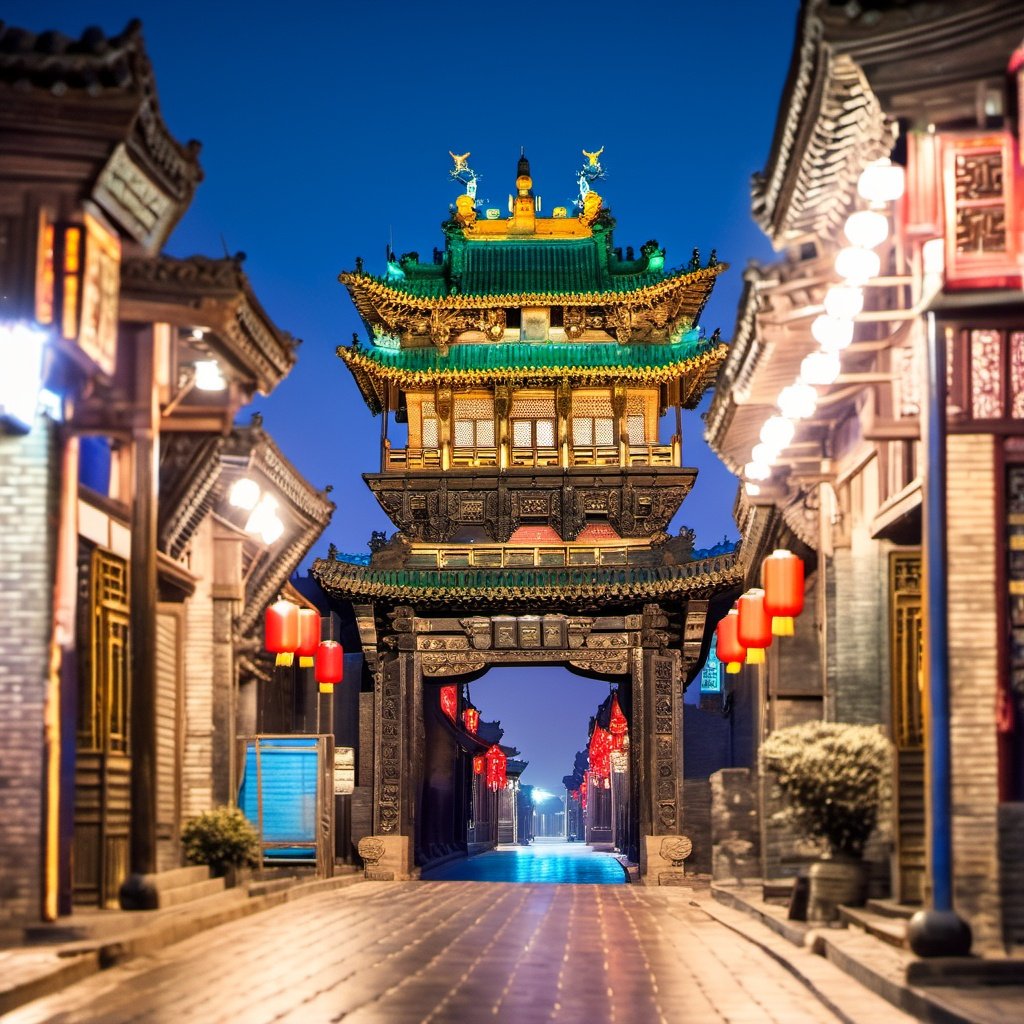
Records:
x=222, y=838
x=834, y=776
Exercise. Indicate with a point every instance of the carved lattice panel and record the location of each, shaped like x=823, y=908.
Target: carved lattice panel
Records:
x=986, y=374
x=1017, y=374
x=981, y=216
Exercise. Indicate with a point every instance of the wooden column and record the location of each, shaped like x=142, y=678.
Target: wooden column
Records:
x=145, y=488
x=563, y=413
x=443, y=404
x=621, y=432
x=502, y=408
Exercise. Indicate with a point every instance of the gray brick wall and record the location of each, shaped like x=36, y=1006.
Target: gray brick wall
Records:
x=28, y=489
x=696, y=823
x=735, y=832
x=973, y=675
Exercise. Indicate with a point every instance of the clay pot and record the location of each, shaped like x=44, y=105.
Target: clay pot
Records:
x=840, y=880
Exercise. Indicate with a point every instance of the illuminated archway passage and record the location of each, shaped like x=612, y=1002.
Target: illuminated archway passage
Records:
x=531, y=363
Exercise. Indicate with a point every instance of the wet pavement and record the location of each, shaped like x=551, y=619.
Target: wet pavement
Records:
x=545, y=861
x=446, y=952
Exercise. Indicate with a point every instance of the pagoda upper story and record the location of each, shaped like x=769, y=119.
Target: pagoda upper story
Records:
x=531, y=364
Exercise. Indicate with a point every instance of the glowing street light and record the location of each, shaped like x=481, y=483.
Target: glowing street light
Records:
x=209, y=376
x=831, y=332
x=244, y=494
x=757, y=471
x=857, y=265
x=21, y=355
x=881, y=181
x=777, y=432
x=798, y=401
x=820, y=368
x=867, y=228
x=844, y=301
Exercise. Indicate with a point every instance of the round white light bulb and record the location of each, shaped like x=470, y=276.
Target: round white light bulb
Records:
x=844, y=301
x=832, y=332
x=757, y=471
x=765, y=454
x=867, y=228
x=777, y=432
x=857, y=265
x=752, y=489
x=798, y=401
x=272, y=529
x=245, y=493
x=881, y=181
x=208, y=376
x=820, y=368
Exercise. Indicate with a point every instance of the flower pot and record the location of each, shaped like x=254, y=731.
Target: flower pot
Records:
x=834, y=882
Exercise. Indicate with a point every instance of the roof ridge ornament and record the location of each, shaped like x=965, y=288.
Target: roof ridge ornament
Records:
x=590, y=172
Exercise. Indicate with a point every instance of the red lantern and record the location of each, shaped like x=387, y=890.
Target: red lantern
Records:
x=282, y=630
x=309, y=636
x=478, y=764
x=330, y=665
x=600, y=751
x=782, y=575
x=583, y=792
x=450, y=701
x=730, y=650
x=497, y=765
x=617, y=725
x=754, y=627
x=471, y=719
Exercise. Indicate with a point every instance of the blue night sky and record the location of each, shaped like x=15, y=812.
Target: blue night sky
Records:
x=326, y=129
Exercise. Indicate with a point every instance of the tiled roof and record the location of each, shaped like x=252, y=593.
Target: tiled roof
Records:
x=511, y=586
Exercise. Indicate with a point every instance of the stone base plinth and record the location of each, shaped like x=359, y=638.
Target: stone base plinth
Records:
x=658, y=869
x=387, y=858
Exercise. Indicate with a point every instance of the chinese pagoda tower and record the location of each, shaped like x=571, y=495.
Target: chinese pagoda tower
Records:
x=531, y=365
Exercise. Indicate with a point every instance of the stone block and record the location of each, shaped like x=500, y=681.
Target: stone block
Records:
x=387, y=858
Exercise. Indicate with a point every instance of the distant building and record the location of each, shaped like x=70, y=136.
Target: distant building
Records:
x=136, y=582
x=938, y=89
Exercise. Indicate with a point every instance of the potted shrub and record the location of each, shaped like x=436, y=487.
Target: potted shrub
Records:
x=223, y=838
x=835, y=777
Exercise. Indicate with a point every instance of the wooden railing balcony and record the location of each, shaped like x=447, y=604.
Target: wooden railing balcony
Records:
x=528, y=556
x=579, y=455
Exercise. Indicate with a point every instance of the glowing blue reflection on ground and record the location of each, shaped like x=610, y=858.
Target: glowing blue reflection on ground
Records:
x=544, y=861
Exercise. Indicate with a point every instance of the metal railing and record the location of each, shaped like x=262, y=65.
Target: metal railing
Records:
x=579, y=455
x=522, y=556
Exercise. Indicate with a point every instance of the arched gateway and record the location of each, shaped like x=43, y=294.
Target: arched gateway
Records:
x=531, y=363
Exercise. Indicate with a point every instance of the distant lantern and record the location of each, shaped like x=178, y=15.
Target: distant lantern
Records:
x=618, y=726
x=330, y=665
x=753, y=625
x=782, y=576
x=478, y=764
x=496, y=768
x=599, y=751
x=471, y=719
x=282, y=630
x=730, y=650
x=309, y=636
x=450, y=701
x=583, y=792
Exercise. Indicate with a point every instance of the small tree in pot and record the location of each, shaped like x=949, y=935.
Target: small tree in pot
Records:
x=223, y=838
x=835, y=777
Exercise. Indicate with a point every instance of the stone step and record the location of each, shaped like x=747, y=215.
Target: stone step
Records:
x=176, y=877
x=186, y=893
x=891, y=908
x=889, y=929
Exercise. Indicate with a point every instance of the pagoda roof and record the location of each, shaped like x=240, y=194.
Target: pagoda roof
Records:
x=471, y=365
x=536, y=273
x=527, y=586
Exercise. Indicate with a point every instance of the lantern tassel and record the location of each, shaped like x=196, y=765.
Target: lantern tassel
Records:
x=285, y=658
x=782, y=625
x=755, y=655
x=327, y=687
x=733, y=668
x=305, y=661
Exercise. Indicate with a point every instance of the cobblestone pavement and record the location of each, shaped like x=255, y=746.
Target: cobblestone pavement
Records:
x=465, y=952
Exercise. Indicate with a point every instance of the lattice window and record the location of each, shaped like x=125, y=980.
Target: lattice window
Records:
x=906, y=649
x=985, y=373
x=474, y=423
x=635, y=426
x=428, y=434
x=591, y=406
x=103, y=697
x=533, y=421
x=593, y=430
x=986, y=379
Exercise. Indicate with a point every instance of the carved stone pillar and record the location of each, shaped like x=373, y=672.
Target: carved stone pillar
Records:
x=443, y=405
x=563, y=411
x=619, y=412
x=502, y=407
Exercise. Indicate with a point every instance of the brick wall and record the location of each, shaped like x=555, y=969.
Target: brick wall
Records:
x=28, y=471
x=735, y=829
x=696, y=823
x=973, y=671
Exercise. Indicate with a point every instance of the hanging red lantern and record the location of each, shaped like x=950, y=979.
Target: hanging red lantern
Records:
x=450, y=701
x=754, y=626
x=583, y=792
x=617, y=725
x=281, y=627
x=471, y=719
x=782, y=575
x=497, y=767
x=309, y=636
x=329, y=665
x=478, y=764
x=730, y=651
x=600, y=751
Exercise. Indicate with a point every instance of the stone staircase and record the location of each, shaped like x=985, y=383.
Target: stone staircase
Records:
x=884, y=919
x=171, y=888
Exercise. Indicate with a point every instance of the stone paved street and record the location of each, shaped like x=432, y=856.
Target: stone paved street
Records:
x=448, y=951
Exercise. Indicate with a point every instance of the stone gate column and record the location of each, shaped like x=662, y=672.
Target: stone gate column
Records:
x=661, y=751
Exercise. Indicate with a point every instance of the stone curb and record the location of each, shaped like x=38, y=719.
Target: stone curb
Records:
x=80, y=959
